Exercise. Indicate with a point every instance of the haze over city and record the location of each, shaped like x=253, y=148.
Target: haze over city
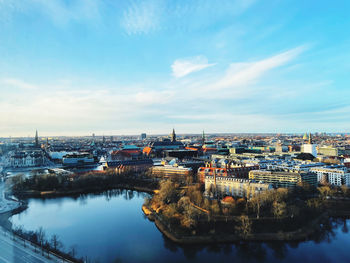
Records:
x=126, y=67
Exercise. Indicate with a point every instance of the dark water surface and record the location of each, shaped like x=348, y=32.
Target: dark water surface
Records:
x=111, y=227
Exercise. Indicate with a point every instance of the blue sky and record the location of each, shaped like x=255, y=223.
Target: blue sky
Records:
x=77, y=67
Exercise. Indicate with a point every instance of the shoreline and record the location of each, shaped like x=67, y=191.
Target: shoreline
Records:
x=5, y=216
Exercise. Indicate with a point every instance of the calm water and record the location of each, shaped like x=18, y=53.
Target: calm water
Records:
x=112, y=228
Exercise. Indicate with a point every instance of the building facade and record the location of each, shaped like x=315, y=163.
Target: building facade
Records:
x=283, y=179
x=170, y=170
x=227, y=186
x=234, y=172
x=32, y=158
x=334, y=176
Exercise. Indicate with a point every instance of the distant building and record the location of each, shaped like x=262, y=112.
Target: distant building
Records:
x=237, y=150
x=279, y=148
x=37, y=145
x=170, y=170
x=157, y=148
x=233, y=172
x=203, y=138
x=283, y=179
x=181, y=153
x=78, y=159
x=143, y=136
x=334, y=176
x=227, y=186
x=173, y=136
x=310, y=147
x=32, y=158
x=131, y=158
x=328, y=151
x=127, y=154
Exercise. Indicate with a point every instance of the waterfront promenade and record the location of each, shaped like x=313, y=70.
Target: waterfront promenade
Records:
x=13, y=250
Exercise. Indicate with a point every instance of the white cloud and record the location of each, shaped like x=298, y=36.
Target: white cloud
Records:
x=183, y=67
x=72, y=108
x=240, y=74
x=211, y=101
x=239, y=80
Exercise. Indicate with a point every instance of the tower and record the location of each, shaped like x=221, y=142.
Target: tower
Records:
x=173, y=136
x=305, y=136
x=203, y=138
x=310, y=138
x=36, y=139
x=310, y=147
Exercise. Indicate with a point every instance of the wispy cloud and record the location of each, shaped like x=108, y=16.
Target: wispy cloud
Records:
x=183, y=67
x=17, y=83
x=239, y=74
x=145, y=16
x=239, y=80
x=58, y=11
x=142, y=17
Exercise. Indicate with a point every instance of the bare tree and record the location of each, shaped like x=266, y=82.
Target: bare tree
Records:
x=279, y=209
x=257, y=201
x=41, y=238
x=55, y=243
x=244, y=226
x=73, y=251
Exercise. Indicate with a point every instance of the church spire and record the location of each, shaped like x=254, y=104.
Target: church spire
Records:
x=203, y=138
x=310, y=138
x=173, y=136
x=36, y=139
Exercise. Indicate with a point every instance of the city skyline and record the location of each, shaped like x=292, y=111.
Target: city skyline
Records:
x=83, y=67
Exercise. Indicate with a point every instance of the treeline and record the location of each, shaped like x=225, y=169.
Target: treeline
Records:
x=46, y=244
x=90, y=181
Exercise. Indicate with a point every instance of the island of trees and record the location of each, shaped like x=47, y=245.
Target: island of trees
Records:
x=185, y=216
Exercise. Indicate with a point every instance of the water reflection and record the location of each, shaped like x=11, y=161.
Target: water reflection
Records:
x=259, y=251
x=110, y=227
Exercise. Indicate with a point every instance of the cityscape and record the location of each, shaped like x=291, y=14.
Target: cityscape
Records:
x=174, y=131
x=198, y=189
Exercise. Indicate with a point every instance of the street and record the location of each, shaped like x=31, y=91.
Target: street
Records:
x=13, y=251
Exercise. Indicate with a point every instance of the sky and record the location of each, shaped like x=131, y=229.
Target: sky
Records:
x=77, y=67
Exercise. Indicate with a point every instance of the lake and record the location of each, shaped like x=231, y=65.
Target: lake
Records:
x=111, y=227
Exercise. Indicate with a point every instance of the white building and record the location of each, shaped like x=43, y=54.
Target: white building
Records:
x=32, y=158
x=78, y=159
x=233, y=186
x=310, y=147
x=335, y=176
